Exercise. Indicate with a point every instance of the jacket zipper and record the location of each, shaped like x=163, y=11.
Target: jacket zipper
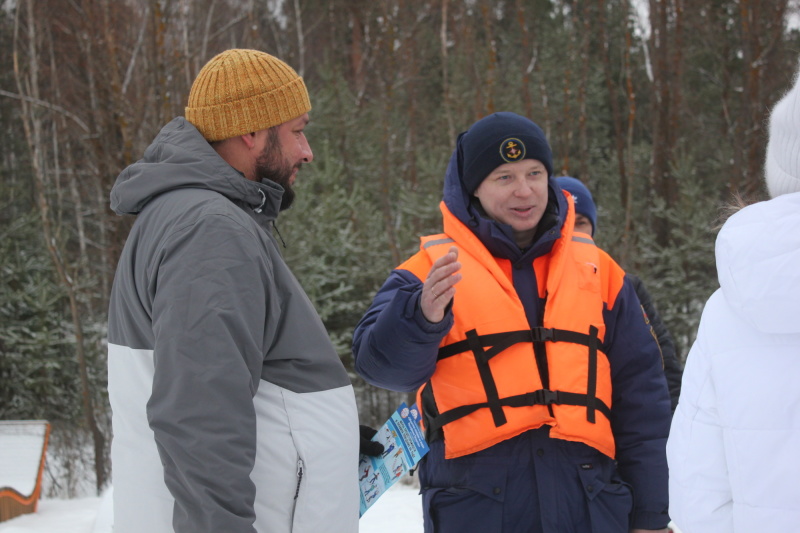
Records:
x=299, y=477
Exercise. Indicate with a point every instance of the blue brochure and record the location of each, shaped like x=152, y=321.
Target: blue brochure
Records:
x=403, y=447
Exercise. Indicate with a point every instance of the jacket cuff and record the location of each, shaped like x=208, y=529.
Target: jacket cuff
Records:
x=441, y=327
x=649, y=520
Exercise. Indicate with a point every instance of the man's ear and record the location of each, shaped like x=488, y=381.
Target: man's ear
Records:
x=249, y=140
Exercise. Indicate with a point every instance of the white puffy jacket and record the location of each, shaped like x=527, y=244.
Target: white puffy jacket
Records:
x=735, y=439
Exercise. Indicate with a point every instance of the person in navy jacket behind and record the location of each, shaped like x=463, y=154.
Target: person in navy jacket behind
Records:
x=481, y=321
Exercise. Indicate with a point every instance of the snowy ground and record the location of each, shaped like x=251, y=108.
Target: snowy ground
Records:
x=397, y=511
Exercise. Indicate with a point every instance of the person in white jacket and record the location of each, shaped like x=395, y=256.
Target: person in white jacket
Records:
x=735, y=437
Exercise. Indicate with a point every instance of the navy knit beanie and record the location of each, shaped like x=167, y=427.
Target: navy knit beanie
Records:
x=498, y=139
x=584, y=204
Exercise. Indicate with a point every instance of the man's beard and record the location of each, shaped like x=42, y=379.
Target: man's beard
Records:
x=272, y=166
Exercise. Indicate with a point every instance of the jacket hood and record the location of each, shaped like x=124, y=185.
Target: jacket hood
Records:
x=179, y=157
x=497, y=237
x=758, y=264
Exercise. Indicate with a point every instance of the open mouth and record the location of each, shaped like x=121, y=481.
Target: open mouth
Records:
x=293, y=177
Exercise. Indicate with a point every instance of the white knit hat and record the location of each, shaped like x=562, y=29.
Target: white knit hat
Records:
x=783, y=148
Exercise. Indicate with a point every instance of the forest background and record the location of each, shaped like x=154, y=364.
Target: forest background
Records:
x=659, y=106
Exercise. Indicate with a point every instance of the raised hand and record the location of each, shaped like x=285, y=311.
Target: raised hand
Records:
x=439, y=287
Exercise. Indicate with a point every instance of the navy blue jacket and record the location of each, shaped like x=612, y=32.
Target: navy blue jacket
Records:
x=673, y=369
x=395, y=347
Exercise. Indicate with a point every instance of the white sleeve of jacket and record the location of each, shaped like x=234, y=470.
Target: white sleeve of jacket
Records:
x=209, y=314
x=699, y=489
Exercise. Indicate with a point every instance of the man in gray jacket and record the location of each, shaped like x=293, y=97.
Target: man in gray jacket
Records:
x=231, y=409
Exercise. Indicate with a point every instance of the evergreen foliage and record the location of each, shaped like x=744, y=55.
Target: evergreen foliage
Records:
x=37, y=366
x=663, y=118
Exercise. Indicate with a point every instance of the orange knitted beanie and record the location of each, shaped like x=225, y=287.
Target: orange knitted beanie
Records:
x=241, y=91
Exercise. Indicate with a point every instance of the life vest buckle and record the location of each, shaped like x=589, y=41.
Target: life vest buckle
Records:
x=545, y=397
x=542, y=334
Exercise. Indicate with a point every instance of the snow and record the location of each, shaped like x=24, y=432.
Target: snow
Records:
x=399, y=510
x=56, y=516
x=20, y=454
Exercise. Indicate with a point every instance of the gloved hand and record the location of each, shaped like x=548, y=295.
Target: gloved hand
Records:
x=367, y=446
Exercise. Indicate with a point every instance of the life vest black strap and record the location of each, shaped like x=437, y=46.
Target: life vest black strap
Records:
x=500, y=341
x=539, y=397
x=542, y=365
x=492, y=396
x=591, y=385
x=497, y=342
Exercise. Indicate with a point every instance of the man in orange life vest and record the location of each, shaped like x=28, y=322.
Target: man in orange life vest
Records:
x=544, y=399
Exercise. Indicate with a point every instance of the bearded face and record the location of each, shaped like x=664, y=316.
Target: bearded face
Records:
x=273, y=166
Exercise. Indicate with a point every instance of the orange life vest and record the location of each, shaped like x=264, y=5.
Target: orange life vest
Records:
x=496, y=377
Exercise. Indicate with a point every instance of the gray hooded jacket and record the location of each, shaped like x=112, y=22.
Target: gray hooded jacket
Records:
x=231, y=409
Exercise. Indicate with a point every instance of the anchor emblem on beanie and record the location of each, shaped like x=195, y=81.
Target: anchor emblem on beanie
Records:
x=512, y=150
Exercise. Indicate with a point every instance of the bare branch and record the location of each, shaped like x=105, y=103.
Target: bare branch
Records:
x=48, y=105
x=139, y=39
